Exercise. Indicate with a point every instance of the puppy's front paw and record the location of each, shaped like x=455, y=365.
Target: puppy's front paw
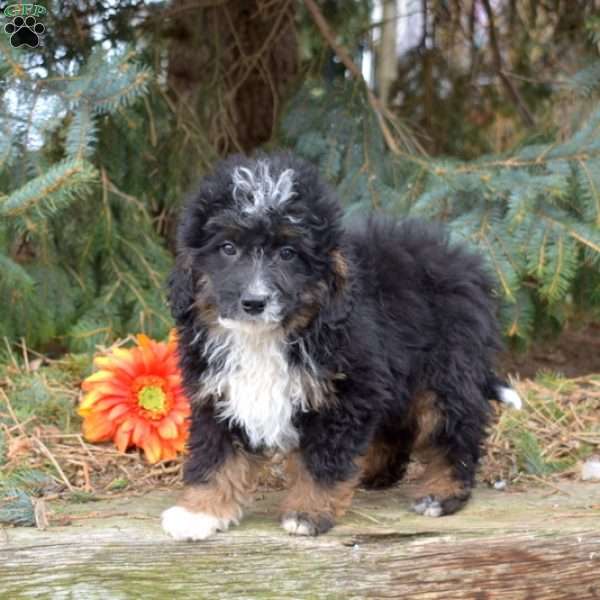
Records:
x=183, y=524
x=301, y=523
x=434, y=506
x=428, y=507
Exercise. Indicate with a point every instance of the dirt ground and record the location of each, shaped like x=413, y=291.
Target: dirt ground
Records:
x=574, y=353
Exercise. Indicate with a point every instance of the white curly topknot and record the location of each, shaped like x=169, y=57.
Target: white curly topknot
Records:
x=257, y=190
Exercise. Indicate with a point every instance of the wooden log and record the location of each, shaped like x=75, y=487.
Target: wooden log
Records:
x=504, y=546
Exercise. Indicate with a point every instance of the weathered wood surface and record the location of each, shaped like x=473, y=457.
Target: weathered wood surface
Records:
x=505, y=545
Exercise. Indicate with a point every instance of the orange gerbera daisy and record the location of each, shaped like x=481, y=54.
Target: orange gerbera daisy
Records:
x=136, y=399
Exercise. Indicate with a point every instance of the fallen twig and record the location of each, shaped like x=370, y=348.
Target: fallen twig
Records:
x=44, y=449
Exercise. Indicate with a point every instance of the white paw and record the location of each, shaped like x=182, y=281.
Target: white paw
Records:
x=183, y=524
x=296, y=526
x=428, y=507
x=433, y=510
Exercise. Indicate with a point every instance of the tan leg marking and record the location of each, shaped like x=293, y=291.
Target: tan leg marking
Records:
x=309, y=507
x=438, y=478
x=438, y=481
x=376, y=460
x=230, y=489
x=204, y=509
x=426, y=418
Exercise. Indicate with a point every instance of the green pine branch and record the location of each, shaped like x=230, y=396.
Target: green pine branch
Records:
x=81, y=133
x=51, y=191
x=534, y=213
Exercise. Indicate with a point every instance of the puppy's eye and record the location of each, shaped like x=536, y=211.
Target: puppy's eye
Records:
x=287, y=253
x=229, y=249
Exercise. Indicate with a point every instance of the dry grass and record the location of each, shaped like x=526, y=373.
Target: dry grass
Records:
x=557, y=429
x=43, y=454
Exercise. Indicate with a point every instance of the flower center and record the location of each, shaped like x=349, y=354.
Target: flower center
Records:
x=152, y=398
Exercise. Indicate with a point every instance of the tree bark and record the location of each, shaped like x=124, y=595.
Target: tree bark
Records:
x=386, y=52
x=230, y=64
x=511, y=90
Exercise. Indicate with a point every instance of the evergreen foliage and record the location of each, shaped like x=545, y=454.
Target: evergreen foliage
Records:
x=80, y=261
x=534, y=212
x=97, y=151
x=95, y=159
x=16, y=508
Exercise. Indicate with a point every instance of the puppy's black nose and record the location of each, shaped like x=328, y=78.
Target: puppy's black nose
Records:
x=254, y=305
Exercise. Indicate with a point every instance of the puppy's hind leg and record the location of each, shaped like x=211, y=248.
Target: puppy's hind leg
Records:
x=386, y=461
x=440, y=491
x=449, y=442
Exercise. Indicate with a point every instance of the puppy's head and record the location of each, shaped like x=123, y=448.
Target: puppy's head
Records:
x=259, y=246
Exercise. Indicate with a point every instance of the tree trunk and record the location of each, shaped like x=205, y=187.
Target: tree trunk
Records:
x=229, y=66
x=386, y=55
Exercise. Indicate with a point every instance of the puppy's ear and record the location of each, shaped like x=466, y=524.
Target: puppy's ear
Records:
x=181, y=290
x=339, y=303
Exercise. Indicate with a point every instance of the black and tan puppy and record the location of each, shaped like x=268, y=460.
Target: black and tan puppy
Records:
x=346, y=348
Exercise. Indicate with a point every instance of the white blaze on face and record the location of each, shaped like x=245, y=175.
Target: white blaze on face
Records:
x=259, y=288
x=257, y=190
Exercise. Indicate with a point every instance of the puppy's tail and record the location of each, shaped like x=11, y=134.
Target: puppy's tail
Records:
x=499, y=390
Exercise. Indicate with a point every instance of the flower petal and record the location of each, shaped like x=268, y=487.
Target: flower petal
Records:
x=128, y=424
x=143, y=340
x=152, y=448
x=118, y=410
x=122, y=438
x=99, y=376
x=132, y=357
x=140, y=432
x=169, y=453
x=88, y=401
x=97, y=428
x=119, y=366
x=179, y=443
x=167, y=429
x=177, y=417
x=114, y=387
x=108, y=403
x=150, y=364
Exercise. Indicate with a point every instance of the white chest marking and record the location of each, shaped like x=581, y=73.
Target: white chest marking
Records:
x=254, y=386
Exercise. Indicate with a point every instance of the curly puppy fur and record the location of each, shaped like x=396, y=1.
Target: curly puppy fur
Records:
x=348, y=347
